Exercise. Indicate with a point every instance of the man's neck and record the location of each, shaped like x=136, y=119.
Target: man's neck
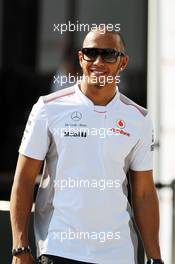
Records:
x=98, y=95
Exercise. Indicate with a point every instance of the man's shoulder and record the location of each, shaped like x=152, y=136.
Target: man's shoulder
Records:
x=133, y=107
x=61, y=94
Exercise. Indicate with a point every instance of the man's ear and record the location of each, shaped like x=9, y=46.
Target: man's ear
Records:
x=124, y=62
x=80, y=58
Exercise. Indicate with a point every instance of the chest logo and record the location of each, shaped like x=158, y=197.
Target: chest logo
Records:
x=76, y=116
x=120, y=123
x=120, y=126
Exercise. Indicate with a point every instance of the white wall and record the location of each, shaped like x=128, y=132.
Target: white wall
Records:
x=161, y=102
x=167, y=122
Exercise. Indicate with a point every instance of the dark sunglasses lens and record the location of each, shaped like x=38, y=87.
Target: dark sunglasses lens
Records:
x=109, y=55
x=90, y=54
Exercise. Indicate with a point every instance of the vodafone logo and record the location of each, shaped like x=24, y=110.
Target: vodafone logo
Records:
x=120, y=123
x=119, y=130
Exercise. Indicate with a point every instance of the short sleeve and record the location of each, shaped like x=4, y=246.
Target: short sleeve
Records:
x=35, y=141
x=142, y=154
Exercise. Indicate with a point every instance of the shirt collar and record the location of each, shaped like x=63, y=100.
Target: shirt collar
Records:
x=97, y=108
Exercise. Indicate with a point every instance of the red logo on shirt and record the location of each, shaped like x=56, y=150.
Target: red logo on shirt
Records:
x=120, y=123
x=119, y=130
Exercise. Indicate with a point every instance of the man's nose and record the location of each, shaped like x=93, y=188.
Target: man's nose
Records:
x=99, y=60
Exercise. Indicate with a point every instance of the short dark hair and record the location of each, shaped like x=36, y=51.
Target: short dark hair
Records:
x=106, y=30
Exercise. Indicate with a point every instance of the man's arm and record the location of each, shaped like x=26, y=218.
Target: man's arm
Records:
x=146, y=210
x=21, y=203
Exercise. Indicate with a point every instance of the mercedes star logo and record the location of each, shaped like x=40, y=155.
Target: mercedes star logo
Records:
x=76, y=116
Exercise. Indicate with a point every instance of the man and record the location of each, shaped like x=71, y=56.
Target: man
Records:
x=87, y=223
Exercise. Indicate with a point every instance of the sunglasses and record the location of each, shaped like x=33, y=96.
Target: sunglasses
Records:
x=108, y=55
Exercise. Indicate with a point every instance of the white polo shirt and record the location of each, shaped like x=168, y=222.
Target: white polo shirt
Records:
x=82, y=211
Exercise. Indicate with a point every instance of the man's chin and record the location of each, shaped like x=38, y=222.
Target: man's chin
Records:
x=98, y=82
x=98, y=85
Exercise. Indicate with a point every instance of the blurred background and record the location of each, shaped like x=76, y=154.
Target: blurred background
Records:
x=33, y=52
